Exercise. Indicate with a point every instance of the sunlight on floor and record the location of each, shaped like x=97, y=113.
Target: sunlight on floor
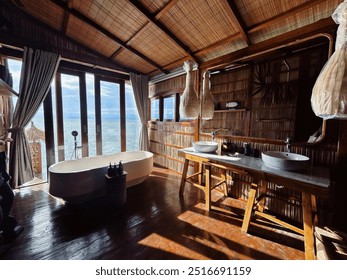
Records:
x=157, y=241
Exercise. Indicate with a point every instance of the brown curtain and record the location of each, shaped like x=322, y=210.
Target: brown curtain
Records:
x=38, y=70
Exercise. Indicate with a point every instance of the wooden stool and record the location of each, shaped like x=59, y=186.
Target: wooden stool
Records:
x=203, y=178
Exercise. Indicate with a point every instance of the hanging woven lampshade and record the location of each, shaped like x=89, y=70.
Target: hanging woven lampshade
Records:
x=329, y=95
x=207, y=109
x=189, y=104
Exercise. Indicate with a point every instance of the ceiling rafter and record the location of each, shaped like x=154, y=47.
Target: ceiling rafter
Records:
x=15, y=7
x=165, y=9
x=157, y=16
x=66, y=17
x=239, y=20
x=285, y=15
x=260, y=26
x=164, y=29
x=320, y=26
x=229, y=39
x=90, y=22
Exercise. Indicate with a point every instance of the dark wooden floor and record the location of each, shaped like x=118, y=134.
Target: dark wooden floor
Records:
x=154, y=224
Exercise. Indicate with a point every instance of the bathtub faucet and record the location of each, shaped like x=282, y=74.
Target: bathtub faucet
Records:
x=75, y=134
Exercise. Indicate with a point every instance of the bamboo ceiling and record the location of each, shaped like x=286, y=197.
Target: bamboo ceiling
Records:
x=155, y=37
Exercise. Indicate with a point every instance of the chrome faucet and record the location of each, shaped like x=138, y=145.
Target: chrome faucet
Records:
x=288, y=143
x=214, y=133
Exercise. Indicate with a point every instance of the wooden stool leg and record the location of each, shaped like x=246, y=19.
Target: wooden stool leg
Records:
x=208, y=188
x=262, y=192
x=249, y=207
x=184, y=176
x=308, y=226
x=200, y=177
x=225, y=185
x=314, y=210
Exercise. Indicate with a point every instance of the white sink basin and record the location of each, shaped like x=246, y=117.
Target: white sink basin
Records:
x=205, y=146
x=285, y=161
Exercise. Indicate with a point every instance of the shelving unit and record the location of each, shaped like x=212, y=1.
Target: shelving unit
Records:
x=230, y=111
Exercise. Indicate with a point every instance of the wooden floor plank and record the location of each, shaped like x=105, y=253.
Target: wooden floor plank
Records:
x=156, y=223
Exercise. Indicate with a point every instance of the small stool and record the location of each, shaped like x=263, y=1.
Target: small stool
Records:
x=203, y=178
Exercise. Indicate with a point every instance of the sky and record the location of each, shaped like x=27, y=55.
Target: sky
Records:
x=70, y=88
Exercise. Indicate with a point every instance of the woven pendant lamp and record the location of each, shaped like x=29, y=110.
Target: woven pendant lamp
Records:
x=189, y=104
x=329, y=95
x=207, y=109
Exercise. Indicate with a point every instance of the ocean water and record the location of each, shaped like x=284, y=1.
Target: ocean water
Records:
x=110, y=140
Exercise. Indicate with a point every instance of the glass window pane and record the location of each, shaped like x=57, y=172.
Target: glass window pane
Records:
x=91, y=114
x=110, y=118
x=71, y=115
x=154, y=109
x=169, y=108
x=133, y=124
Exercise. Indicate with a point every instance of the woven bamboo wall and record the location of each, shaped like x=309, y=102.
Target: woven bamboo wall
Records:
x=230, y=87
x=166, y=138
x=168, y=87
x=259, y=120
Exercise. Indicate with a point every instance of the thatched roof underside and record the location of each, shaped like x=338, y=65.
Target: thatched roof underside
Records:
x=155, y=37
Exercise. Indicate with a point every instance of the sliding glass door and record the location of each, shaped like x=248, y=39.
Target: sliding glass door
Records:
x=83, y=115
x=110, y=117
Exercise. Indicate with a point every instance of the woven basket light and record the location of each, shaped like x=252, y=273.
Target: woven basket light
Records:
x=329, y=95
x=189, y=104
x=207, y=109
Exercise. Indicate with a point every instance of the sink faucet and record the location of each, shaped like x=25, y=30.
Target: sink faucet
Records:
x=288, y=143
x=213, y=133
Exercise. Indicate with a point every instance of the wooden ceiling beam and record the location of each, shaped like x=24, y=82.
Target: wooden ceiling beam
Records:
x=238, y=20
x=165, y=9
x=90, y=22
x=229, y=39
x=66, y=17
x=164, y=29
x=262, y=25
x=323, y=25
x=284, y=15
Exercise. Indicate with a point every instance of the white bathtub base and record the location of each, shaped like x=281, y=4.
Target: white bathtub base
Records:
x=77, y=181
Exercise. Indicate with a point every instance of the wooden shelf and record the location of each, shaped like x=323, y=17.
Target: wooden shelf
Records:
x=230, y=111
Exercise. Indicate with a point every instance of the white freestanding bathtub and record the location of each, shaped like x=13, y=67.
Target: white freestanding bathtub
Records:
x=79, y=180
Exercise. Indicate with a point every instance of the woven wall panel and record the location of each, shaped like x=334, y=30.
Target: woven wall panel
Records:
x=206, y=29
x=296, y=21
x=90, y=37
x=255, y=12
x=221, y=50
x=119, y=17
x=199, y=23
x=154, y=6
x=133, y=61
x=153, y=43
x=46, y=11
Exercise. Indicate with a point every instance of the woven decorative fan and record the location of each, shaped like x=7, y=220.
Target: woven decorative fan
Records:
x=189, y=105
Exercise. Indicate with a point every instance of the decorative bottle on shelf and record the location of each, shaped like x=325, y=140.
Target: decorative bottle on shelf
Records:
x=247, y=149
x=115, y=169
x=110, y=170
x=120, y=169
